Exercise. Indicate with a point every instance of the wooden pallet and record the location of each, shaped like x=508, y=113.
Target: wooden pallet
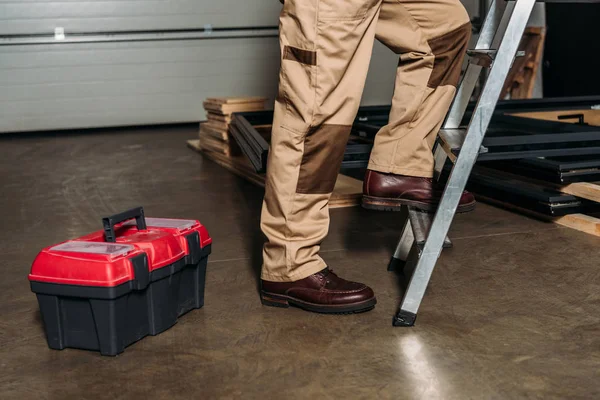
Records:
x=347, y=191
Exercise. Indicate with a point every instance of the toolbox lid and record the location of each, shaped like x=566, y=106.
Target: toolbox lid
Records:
x=179, y=224
x=85, y=263
x=111, y=250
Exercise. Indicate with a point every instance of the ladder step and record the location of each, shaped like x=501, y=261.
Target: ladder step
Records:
x=485, y=57
x=421, y=222
x=452, y=140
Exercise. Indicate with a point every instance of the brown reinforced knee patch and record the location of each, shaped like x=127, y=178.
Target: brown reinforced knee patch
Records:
x=300, y=55
x=449, y=51
x=324, y=149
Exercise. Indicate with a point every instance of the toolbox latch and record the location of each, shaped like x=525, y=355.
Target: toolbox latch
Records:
x=194, y=248
x=141, y=271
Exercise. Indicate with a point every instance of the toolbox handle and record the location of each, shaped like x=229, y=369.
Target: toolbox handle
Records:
x=110, y=222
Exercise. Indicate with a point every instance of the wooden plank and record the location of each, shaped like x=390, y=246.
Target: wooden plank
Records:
x=208, y=130
x=347, y=191
x=580, y=222
x=586, y=190
x=236, y=100
x=221, y=125
x=218, y=118
x=213, y=125
x=227, y=109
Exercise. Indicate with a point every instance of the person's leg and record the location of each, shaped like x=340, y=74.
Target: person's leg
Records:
x=431, y=37
x=326, y=47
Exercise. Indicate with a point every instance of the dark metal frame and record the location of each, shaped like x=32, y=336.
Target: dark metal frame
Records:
x=525, y=195
x=549, y=104
x=378, y=115
x=560, y=170
x=509, y=137
x=512, y=137
x=252, y=144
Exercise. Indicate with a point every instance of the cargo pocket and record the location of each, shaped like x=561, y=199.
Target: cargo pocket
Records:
x=340, y=10
x=298, y=70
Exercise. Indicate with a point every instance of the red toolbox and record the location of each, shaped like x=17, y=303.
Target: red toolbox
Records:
x=107, y=290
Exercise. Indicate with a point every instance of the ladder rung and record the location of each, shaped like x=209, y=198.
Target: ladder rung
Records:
x=421, y=222
x=485, y=57
x=452, y=140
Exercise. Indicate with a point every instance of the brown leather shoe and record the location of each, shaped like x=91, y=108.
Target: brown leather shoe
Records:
x=389, y=192
x=323, y=292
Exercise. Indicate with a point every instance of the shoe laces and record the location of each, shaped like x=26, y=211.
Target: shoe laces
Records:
x=325, y=273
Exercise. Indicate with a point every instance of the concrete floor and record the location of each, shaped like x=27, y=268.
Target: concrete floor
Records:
x=513, y=311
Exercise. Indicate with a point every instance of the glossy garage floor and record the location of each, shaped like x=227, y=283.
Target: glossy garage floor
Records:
x=513, y=311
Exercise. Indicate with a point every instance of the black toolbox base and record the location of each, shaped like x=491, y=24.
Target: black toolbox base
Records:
x=76, y=320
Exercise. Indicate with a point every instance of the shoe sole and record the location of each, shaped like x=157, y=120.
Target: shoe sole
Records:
x=281, y=301
x=383, y=204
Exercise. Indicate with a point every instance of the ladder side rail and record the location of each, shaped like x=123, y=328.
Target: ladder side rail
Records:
x=464, y=163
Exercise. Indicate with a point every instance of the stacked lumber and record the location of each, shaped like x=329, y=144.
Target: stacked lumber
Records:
x=214, y=132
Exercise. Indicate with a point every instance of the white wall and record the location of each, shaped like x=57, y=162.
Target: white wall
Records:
x=82, y=85
x=132, y=83
x=59, y=86
x=42, y=16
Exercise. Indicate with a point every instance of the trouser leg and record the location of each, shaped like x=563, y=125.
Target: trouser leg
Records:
x=326, y=47
x=431, y=38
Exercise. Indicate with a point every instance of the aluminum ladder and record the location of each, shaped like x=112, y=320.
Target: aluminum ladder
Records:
x=424, y=235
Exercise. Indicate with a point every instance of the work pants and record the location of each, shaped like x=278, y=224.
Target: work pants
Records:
x=326, y=48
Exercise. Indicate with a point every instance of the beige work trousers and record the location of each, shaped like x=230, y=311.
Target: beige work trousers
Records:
x=326, y=48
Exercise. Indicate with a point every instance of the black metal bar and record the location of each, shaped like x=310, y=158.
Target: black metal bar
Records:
x=515, y=155
x=508, y=138
x=525, y=195
x=378, y=115
x=547, y=173
x=548, y=104
x=255, y=158
x=564, y=163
